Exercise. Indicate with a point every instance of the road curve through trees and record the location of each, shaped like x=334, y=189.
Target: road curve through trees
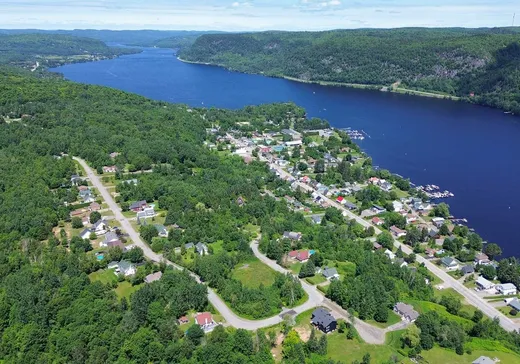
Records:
x=230, y=317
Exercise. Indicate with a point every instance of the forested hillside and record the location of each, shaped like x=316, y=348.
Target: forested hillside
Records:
x=480, y=65
x=52, y=50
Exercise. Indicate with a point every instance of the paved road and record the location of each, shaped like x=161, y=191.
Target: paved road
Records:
x=230, y=317
x=470, y=295
x=369, y=333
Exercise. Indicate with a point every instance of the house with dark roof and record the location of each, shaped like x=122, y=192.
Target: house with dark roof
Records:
x=323, y=320
x=138, y=206
x=450, y=263
x=467, y=269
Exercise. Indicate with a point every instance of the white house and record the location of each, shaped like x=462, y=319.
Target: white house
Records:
x=506, y=289
x=482, y=259
x=123, y=267
x=398, y=206
x=450, y=263
x=483, y=283
x=389, y=254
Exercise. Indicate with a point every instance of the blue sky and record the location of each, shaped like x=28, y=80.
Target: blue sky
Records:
x=254, y=14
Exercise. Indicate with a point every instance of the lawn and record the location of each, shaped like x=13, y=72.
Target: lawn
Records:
x=125, y=289
x=104, y=276
x=393, y=318
x=469, y=309
x=445, y=356
x=426, y=306
x=347, y=351
x=347, y=269
x=295, y=267
x=317, y=279
x=253, y=273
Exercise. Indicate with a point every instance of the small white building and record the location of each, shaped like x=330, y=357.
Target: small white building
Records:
x=506, y=289
x=389, y=254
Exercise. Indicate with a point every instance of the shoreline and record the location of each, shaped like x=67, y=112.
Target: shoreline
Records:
x=381, y=88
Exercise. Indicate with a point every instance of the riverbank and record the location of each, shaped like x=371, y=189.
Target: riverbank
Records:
x=382, y=88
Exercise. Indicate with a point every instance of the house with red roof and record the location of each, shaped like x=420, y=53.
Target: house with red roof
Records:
x=303, y=256
x=205, y=321
x=341, y=200
x=377, y=221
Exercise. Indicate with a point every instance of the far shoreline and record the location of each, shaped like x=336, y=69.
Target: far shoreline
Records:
x=381, y=88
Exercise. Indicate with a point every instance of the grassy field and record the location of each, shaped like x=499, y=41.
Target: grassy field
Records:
x=393, y=318
x=253, y=273
x=347, y=351
x=469, y=309
x=103, y=276
x=125, y=289
x=317, y=279
x=445, y=356
x=425, y=306
x=346, y=269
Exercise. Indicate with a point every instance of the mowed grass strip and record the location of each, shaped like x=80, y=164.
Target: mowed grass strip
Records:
x=253, y=273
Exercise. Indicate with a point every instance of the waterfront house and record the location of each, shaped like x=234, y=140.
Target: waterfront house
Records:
x=483, y=284
x=482, y=259
x=449, y=263
x=406, y=312
x=330, y=273
x=506, y=289
x=323, y=320
x=153, y=277
x=398, y=233
x=438, y=221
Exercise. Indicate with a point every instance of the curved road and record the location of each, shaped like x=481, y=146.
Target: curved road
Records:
x=470, y=295
x=231, y=318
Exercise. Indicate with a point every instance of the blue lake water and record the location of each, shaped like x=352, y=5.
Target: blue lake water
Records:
x=470, y=150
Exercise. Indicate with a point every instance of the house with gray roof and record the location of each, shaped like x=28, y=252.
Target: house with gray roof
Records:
x=467, y=269
x=450, y=263
x=323, y=320
x=515, y=303
x=161, y=230
x=330, y=273
x=291, y=235
x=189, y=246
x=483, y=360
x=153, y=277
x=202, y=249
x=407, y=312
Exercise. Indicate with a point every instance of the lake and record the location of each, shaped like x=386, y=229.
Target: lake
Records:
x=469, y=150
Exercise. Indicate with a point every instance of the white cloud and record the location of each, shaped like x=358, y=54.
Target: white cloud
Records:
x=334, y=2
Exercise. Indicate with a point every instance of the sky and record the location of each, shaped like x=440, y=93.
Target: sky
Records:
x=252, y=15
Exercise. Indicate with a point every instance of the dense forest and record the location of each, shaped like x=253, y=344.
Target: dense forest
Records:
x=480, y=65
x=52, y=50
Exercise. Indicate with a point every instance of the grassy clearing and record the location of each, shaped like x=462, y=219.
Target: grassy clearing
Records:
x=253, y=273
x=425, y=306
x=347, y=351
x=125, y=289
x=393, y=318
x=317, y=279
x=106, y=276
x=346, y=269
x=469, y=309
x=446, y=356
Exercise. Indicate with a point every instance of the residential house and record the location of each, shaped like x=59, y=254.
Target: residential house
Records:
x=109, y=238
x=341, y=200
x=323, y=320
x=397, y=232
x=75, y=180
x=183, y=320
x=483, y=360
x=153, y=277
x=484, y=284
x=88, y=198
x=188, y=246
x=390, y=254
x=378, y=209
x=482, y=259
x=202, y=249
x=94, y=206
x=100, y=227
x=411, y=218
x=515, y=304
x=430, y=253
x=398, y=206
x=303, y=256
x=293, y=143
x=146, y=212
x=161, y=230
x=400, y=262
x=133, y=181
x=385, y=186
x=376, y=245
x=377, y=221
x=291, y=235
x=449, y=263
x=506, y=289
x=138, y=206
x=330, y=273
x=316, y=219
x=85, y=234
x=406, y=312
x=438, y=221
x=123, y=267
x=467, y=269
x=109, y=169
x=118, y=244
x=77, y=212
x=433, y=233
x=205, y=321
x=349, y=205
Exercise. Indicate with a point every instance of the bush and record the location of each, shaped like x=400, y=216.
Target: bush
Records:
x=513, y=312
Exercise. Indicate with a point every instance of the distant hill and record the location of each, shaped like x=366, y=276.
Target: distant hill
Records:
x=53, y=49
x=467, y=63
x=145, y=38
